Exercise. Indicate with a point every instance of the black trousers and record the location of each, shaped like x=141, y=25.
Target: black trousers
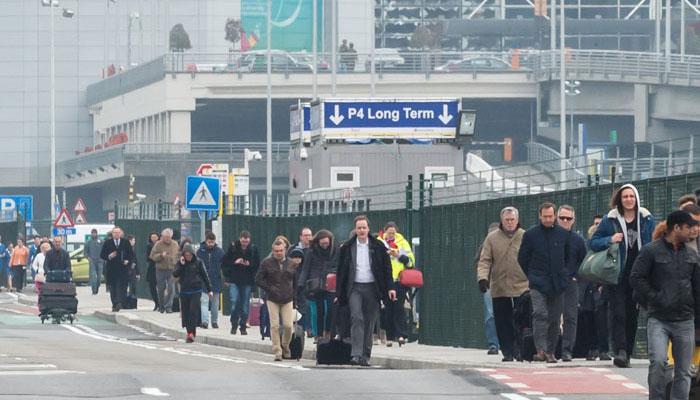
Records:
x=505, y=325
x=117, y=289
x=191, y=311
x=394, y=316
x=18, y=278
x=623, y=313
x=151, y=279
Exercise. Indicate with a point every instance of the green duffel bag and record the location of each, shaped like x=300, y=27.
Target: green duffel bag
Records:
x=602, y=267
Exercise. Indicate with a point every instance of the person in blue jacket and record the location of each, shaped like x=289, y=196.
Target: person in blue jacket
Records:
x=630, y=225
x=211, y=254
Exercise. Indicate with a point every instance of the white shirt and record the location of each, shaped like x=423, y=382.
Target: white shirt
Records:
x=38, y=264
x=363, y=274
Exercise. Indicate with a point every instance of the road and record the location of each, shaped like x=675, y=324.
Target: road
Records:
x=97, y=359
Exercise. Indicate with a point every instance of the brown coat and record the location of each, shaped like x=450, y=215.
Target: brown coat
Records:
x=168, y=262
x=498, y=264
x=277, y=279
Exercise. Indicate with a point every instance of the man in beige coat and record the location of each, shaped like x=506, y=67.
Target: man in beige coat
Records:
x=499, y=271
x=165, y=253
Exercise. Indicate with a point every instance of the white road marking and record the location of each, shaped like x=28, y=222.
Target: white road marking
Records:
x=485, y=369
x=514, y=396
x=26, y=366
x=89, y=332
x=549, y=398
x=500, y=376
x=616, y=377
x=533, y=393
x=45, y=372
x=633, y=386
x=517, y=385
x=153, y=391
x=600, y=369
x=19, y=359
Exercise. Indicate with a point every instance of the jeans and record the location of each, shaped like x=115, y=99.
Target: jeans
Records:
x=240, y=304
x=546, y=313
x=96, y=271
x=682, y=336
x=286, y=311
x=570, y=306
x=214, y=308
x=166, y=288
x=490, y=321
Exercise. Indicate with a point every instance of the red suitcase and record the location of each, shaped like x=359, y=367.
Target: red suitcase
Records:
x=254, y=312
x=412, y=278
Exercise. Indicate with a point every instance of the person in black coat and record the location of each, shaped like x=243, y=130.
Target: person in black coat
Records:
x=547, y=261
x=319, y=261
x=57, y=267
x=151, y=271
x=239, y=267
x=118, y=256
x=364, y=280
x=193, y=278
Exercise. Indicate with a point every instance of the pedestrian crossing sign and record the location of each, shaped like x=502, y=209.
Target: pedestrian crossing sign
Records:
x=63, y=220
x=203, y=193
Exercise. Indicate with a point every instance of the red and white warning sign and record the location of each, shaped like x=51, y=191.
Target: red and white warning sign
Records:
x=64, y=220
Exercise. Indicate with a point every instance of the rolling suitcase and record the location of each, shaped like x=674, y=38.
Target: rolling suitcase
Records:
x=54, y=303
x=129, y=303
x=59, y=275
x=58, y=289
x=333, y=351
x=296, y=346
x=254, y=312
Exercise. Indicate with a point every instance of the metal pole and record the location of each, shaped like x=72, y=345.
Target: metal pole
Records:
x=334, y=45
x=128, y=42
x=104, y=44
x=657, y=14
x=372, y=77
x=553, y=28
x=314, y=43
x=682, y=28
x=562, y=96
x=667, y=45
x=53, y=115
x=268, y=145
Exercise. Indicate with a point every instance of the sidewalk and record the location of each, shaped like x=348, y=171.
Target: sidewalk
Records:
x=410, y=356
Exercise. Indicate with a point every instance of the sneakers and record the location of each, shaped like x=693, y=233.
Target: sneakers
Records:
x=604, y=357
x=278, y=357
x=566, y=356
x=190, y=338
x=493, y=350
x=214, y=325
x=550, y=358
x=539, y=357
x=243, y=331
x=592, y=355
x=286, y=354
x=621, y=360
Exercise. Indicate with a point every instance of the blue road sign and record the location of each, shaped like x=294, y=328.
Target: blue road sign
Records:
x=439, y=115
x=202, y=193
x=10, y=204
x=64, y=231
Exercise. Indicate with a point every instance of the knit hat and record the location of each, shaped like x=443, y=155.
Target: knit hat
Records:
x=296, y=253
x=187, y=248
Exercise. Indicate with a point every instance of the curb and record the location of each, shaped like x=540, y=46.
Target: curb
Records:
x=264, y=347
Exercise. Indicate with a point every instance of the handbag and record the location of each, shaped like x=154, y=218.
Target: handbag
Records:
x=411, y=277
x=331, y=280
x=602, y=267
x=314, y=286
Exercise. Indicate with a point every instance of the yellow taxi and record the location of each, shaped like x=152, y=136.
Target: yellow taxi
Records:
x=80, y=266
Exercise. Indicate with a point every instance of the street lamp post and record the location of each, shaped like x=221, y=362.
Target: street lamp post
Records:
x=572, y=90
x=562, y=95
x=268, y=144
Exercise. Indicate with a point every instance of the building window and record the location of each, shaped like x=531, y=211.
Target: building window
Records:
x=440, y=177
x=345, y=177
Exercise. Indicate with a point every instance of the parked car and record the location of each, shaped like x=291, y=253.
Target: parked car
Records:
x=474, y=64
x=282, y=62
x=80, y=266
x=385, y=59
x=321, y=63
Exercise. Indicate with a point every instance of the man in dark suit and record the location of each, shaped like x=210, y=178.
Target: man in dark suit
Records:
x=117, y=254
x=364, y=279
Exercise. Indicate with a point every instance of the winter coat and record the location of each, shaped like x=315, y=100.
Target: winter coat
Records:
x=613, y=222
x=115, y=267
x=317, y=264
x=380, y=264
x=667, y=281
x=546, y=258
x=277, y=279
x=404, y=250
x=192, y=276
x=212, y=262
x=170, y=260
x=578, y=252
x=57, y=260
x=498, y=264
x=239, y=274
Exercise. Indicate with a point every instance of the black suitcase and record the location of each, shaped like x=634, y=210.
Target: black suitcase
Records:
x=58, y=289
x=129, y=303
x=296, y=346
x=52, y=303
x=59, y=275
x=333, y=352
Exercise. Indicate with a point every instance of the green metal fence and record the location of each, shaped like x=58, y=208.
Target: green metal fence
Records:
x=450, y=304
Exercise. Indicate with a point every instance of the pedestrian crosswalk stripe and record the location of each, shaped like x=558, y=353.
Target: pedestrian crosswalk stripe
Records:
x=202, y=196
x=26, y=366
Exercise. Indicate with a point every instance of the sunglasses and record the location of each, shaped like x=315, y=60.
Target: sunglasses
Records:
x=566, y=218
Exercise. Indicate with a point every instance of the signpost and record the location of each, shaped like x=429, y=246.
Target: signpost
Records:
x=63, y=225
x=11, y=204
x=203, y=194
x=80, y=210
x=385, y=118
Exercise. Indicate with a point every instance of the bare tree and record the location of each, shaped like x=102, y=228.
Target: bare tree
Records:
x=233, y=31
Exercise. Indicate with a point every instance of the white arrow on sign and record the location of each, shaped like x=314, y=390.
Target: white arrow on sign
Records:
x=336, y=118
x=445, y=117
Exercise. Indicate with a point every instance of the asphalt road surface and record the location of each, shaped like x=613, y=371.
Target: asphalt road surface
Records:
x=97, y=359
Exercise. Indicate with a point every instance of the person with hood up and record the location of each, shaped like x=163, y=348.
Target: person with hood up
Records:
x=318, y=263
x=394, y=313
x=630, y=225
x=498, y=271
x=239, y=266
x=193, y=278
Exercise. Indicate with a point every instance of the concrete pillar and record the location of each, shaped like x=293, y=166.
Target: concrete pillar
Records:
x=641, y=112
x=180, y=128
